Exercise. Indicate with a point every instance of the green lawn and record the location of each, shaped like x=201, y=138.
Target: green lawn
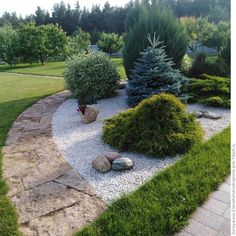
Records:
x=16, y=94
x=210, y=57
x=52, y=68
x=163, y=205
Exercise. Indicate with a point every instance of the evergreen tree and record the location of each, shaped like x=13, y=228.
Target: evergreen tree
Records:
x=153, y=74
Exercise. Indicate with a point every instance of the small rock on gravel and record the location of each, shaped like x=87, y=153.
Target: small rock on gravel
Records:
x=90, y=114
x=122, y=164
x=101, y=164
x=112, y=156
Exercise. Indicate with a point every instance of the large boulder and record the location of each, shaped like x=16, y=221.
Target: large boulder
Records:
x=101, y=164
x=88, y=113
x=122, y=164
x=112, y=156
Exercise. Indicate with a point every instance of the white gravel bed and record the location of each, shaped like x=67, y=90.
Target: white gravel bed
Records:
x=81, y=143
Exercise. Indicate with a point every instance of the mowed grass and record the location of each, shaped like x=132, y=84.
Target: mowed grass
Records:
x=53, y=68
x=163, y=205
x=16, y=94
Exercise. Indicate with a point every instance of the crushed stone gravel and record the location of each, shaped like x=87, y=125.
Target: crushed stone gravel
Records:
x=81, y=143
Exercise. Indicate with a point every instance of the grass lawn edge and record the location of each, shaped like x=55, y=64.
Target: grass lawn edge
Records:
x=164, y=204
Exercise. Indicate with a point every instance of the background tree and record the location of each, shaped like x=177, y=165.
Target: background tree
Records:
x=110, y=43
x=149, y=19
x=40, y=42
x=217, y=36
x=79, y=42
x=53, y=42
x=8, y=44
x=197, y=30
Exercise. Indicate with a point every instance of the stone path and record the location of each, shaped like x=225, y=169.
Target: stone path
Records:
x=34, y=75
x=213, y=217
x=49, y=196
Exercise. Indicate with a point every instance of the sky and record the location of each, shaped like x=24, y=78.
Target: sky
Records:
x=27, y=7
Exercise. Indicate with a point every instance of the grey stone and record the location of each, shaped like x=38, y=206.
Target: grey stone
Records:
x=101, y=164
x=198, y=229
x=72, y=179
x=221, y=196
x=226, y=227
x=90, y=114
x=209, y=115
x=208, y=218
x=227, y=213
x=44, y=199
x=111, y=156
x=215, y=206
x=122, y=164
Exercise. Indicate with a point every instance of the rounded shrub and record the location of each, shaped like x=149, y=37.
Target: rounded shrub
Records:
x=91, y=76
x=158, y=127
x=149, y=18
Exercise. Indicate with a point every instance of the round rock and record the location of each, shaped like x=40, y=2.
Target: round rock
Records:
x=112, y=156
x=101, y=164
x=122, y=164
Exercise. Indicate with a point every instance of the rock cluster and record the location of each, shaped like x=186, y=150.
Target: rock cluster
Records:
x=111, y=161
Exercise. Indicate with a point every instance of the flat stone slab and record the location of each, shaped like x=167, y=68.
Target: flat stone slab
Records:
x=50, y=197
x=213, y=217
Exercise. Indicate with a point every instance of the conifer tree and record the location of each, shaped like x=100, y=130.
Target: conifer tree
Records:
x=153, y=74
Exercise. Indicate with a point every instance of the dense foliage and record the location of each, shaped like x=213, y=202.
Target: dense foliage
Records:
x=153, y=74
x=149, y=19
x=40, y=42
x=8, y=41
x=91, y=76
x=163, y=205
x=201, y=66
x=111, y=19
x=78, y=43
x=210, y=90
x=110, y=43
x=158, y=127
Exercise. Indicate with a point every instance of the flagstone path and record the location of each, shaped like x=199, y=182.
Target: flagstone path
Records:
x=49, y=196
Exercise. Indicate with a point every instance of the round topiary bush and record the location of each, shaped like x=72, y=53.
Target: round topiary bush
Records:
x=158, y=127
x=91, y=76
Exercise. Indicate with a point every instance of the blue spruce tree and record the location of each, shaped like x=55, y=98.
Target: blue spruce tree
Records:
x=153, y=74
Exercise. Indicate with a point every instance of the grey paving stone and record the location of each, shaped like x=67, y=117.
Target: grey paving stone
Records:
x=227, y=213
x=198, y=229
x=228, y=180
x=225, y=187
x=222, y=196
x=208, y=218
x=226, y=227
x=215, y=206
x=220, y=233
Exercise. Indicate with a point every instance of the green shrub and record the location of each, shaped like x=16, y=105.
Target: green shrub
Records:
x=202, y=66
x=158, y=126
x=91, y=76
x=153, y=74
x=156, y=18
x=210, y=90
x=215, y=101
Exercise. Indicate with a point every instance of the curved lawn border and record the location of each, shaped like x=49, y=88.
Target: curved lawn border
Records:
x=8, y=113
x=163, y=205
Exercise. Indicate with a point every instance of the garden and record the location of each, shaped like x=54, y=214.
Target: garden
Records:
x=135, y=145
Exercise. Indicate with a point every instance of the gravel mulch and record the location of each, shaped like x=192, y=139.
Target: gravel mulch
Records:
x=80, y=144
